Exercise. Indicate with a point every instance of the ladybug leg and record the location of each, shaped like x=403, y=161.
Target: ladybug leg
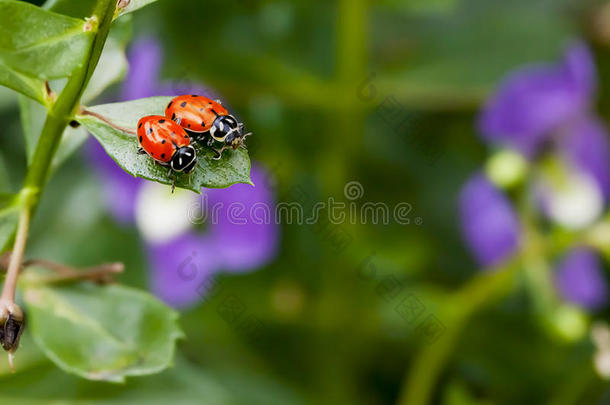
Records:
x=219, y=152
x=210, y=141
x=171, y=175
x=141, y=151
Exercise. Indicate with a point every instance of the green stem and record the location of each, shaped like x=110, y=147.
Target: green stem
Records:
x=66, y=105
x=427, y=366
x=58, y=117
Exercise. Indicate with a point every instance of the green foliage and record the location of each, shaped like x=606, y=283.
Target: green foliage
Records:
x=183, y=384
x=40, y=43
x=76, y=9
x=234, y=167
x=102, y=333
x=135, y=5
x=31, y=87
x=98, y=333
x=8, y=225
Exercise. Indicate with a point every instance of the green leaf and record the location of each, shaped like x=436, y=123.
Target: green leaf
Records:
x=76, y=9
x=5, y=182
x=40, y=43
x=31, y=87
x=32, y=120
x=111, y=68
x=234, y=167
x=186, y=383
x=134, y=5
x=8, y=226
x=102, y=332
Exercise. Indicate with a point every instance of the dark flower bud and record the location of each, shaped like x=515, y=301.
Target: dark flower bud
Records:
x=10, y=332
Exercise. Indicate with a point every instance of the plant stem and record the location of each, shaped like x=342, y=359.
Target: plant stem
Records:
x=488, y=285
x=58, y=117
x=12, y=273
x=63, y=109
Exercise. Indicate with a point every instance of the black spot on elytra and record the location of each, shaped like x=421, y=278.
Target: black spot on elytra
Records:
x=170, y=104
x=183, y=104
x=163, y=155
x=174, y=117
x=140, y=126
x=150, y=130
x=163, y=142
x=140, y=138
x=161, y=121
x=188, y=125
x=203, y=123
x=194, y=95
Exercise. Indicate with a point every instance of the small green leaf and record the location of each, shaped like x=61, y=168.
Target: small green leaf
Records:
x=111, y=68
x=134, y=5
x=32, y=120
x=5, y=182
x=102, y=332
x=40, y=43
x=31, y=87
x=234, y=167
x=8, y=226
x=76, y=9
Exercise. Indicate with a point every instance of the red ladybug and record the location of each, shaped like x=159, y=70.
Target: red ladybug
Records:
x=199, y=114
x=167, y=143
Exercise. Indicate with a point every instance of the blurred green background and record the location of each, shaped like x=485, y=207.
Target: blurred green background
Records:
x=311, y=79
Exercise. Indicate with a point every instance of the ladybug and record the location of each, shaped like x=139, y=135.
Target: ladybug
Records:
x=167, y=143
x=199, y=115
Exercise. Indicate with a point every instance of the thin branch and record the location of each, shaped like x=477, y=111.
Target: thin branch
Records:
x=107, y=121
x=100, y=273
x=10, y=283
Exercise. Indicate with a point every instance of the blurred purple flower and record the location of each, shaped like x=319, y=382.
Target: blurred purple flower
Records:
x=119, y=188
x=586, y=146
x=543, y=103
x=580, y=280
x=489, y=224
x=536, y=106
x=536, y=100
x=181, y=266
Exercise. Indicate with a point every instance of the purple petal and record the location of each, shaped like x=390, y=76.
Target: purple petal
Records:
x=145, y=57
x=489, y=224
x=587, y=147
x=181, y=270
x=579, y=64
x=252, y=244
x=120, y=188
x=579, y=279
x=536, y=100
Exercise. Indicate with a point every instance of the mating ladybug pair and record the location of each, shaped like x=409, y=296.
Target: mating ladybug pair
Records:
x=167, y=139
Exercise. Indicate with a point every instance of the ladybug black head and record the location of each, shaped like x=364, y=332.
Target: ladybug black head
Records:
x=226, y=129
x=184, y=159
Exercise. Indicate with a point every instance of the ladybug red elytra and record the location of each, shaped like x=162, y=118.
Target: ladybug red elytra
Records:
x=167, y=143
x=200, y=114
